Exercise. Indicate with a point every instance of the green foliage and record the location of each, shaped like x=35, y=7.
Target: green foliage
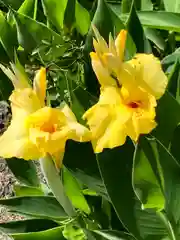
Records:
x=125, y=193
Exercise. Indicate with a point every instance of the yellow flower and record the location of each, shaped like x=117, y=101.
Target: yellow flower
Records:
x=144, y=70
x=107, y=59
x=129, y=90
x=35, y=129
x=118, y=114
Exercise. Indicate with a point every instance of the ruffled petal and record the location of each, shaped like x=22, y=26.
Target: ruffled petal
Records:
x=15, y=143
x=77, y=131
x=149, y=74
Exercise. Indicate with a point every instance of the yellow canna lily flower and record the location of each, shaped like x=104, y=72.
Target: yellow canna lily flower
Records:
x=144, y=70
x=120, y=113
x=35, y=129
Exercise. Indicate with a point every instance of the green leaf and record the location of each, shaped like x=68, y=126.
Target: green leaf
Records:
x=114, y=235
x=55, y=10
x=24, y=171
x=169, y=7
x=139, y=4
x=158, y=19
x=69, y=15
x=137, y=33
x=168, y=109
x=8, y=36
x=81, y=151
x=21, y=190
x=54, y=234
x=171, y=59
x=174, y=81
x=82, y=13
x=92, y=183
x=74, y=192
x=115, y=166
x=41, y=206
x=32, y=34
x=29, y=225
x=147, y=177
x=28, y=8
x=167, y=170
x=154, y=36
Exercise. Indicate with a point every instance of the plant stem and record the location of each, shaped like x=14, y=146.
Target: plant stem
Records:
x=54, y=182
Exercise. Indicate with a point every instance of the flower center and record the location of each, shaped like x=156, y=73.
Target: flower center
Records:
x=47, y=127
x=134, y=104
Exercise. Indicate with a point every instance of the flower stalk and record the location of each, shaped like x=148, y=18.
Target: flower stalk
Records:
x=54, y=182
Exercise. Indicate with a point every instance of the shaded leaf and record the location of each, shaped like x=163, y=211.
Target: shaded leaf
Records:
x=29, y=225
x=45, y=207
x=55, y=10
x=24, y=171
x=74, y=192
x=54, y=233
x=137, y=33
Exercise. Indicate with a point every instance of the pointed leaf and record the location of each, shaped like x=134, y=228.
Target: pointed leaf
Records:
x=55, y=10
x=29, y=225
x=41, y=206
x=137, y=33
x=74, y=192
x=54, y=234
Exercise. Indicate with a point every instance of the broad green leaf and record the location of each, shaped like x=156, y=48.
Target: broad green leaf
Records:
x=32, y=34
x=169, y=7
x=171, y=59
x=150, y=223
x=74, y=192
x=21, y=190
x=8, y=36
x=41, y=206
x=116, y=166
x=143, y=5
x=168, y=117
x=82, y=13
x=24, y=171
x=28, y=8
x=69, y=15
x=174, y=81
x=29, y=225
x=158, y=19
x=114, y=235
x=54, y=234
x=137, y=33
x=85, y=158
x=14, y=4
x=92, y=183
x=154, y=36
x=167, y=170
x=147, y=179
x=55, y=10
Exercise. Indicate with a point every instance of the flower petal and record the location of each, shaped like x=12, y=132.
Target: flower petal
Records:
x=149, y=74
x=18, y=79
x=40, y=84
x=120, y=43
x=101, y=72
x=15, y=143
x=24, y=102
